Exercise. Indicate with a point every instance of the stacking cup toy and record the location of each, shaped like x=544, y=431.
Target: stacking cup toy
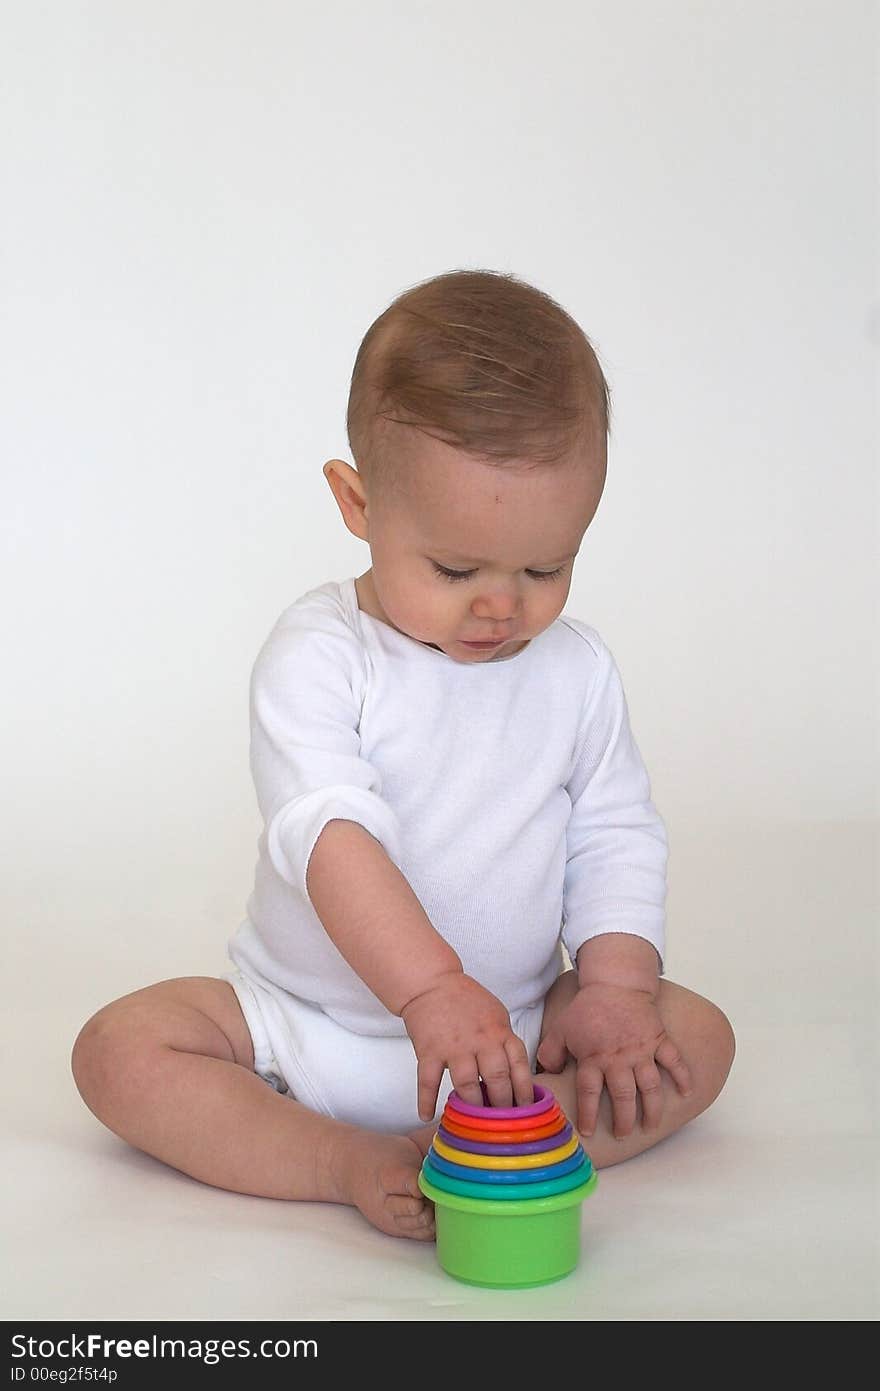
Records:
x=507, y=1184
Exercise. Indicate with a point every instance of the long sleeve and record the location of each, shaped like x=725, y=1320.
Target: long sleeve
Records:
x=306, y=760
x=616, y=845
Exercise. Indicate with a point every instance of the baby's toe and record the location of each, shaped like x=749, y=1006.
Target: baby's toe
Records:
x=401, y=1205
x=419, y=1226
x=411, y=1216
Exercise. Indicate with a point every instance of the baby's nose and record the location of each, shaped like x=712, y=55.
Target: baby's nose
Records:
x=499, y=605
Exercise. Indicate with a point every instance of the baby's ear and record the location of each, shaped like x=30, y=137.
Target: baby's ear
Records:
x=351, y=499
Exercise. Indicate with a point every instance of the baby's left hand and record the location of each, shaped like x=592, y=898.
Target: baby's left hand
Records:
x=617, y=1038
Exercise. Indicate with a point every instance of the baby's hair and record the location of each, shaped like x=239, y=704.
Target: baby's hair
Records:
x=483, y=361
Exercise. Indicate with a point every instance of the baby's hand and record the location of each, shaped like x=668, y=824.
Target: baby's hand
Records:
x=459, y=1025
x=617, y=1037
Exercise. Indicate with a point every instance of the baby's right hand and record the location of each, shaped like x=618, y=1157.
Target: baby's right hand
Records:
x=457, y=1024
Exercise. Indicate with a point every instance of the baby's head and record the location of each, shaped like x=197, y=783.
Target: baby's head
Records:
x=478, y=422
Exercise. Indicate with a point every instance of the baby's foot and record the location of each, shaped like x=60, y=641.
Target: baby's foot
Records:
x=378, y=1175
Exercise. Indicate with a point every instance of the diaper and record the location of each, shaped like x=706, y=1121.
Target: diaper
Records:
x=367, y=1081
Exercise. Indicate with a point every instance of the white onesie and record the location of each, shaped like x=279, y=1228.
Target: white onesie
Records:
x=510, y=794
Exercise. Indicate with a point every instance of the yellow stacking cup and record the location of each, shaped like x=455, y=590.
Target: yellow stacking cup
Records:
x=506, y=1161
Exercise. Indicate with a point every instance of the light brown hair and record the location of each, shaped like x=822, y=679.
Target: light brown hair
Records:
x=483, y=361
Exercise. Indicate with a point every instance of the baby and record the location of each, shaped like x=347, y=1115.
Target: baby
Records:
x=451, y=794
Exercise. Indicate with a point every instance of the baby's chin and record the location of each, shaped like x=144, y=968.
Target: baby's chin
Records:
x=462, y=652
x=458, y=651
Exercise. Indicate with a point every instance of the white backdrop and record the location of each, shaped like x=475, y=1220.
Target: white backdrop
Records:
x=207, y=204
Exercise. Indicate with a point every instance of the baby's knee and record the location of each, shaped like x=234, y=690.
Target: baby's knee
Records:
x=109, y=1053
x=90, y=1060
x=716, y=1047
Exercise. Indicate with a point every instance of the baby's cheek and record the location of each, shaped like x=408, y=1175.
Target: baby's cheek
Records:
x=418, y=614
x=554, y=605
x=432, y=611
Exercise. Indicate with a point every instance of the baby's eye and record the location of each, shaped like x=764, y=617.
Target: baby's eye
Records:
x=452, y=574
x=466, y=574
x=545, y=574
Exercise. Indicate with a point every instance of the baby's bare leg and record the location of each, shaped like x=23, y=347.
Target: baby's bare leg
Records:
x=705, y=1039
x=170, y=1070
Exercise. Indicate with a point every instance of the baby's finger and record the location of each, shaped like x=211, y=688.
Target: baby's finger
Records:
x=650, y=1085
x=495, y=1072
x=520, y=1072
x=552, y=1051
x=668, y=1056
x=589, y=1082
x=621, y=1084
x=465, y=1076
x=428, y=1074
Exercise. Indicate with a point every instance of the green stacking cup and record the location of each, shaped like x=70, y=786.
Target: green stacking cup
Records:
x=508, y=1245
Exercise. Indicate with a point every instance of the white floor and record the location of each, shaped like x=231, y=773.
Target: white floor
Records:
x=764, y=1208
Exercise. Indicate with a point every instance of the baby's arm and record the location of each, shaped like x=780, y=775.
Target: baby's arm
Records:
x=613, y=1029
x=614, y=908
x=372, y=916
